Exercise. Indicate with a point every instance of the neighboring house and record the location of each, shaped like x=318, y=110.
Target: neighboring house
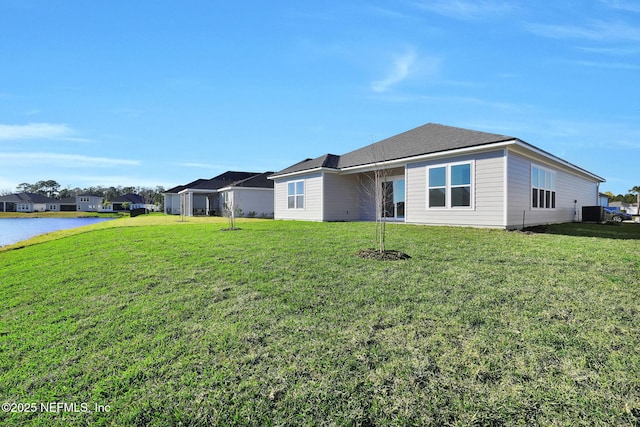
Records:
x=125, y=202
x=439, y=175
x=253, y=192
x=252, y=196
x=81, y=203
x=28, y=202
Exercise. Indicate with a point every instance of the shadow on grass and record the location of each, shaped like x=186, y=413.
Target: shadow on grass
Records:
x=625, y=231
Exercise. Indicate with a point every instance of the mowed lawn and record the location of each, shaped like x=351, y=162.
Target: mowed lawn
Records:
x=153, y=321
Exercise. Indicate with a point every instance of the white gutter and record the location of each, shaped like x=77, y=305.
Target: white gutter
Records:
x=196, y=191
x=232, y=187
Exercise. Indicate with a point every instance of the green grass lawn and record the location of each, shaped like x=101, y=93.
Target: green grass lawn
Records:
x=163, y=322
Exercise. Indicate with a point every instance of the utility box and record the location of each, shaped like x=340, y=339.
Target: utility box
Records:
x=593, y=213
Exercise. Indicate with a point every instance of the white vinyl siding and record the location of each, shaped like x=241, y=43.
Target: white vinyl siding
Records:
x=250, y=202
x=487, y=192
x=572, y=192
x=342, y=197
x=312, y=210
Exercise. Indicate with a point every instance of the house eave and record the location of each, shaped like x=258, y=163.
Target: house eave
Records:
x=303, y=172
x=233, y=187
x=197, y=190
x=576, y=169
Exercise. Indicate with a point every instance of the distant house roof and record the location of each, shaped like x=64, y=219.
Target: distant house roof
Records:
x=68, y=200
x=260, y=180
x=129, y=198
x=227, y=179
x=28, y=198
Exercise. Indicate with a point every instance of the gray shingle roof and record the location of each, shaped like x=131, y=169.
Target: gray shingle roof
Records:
x=27, y=198
x=129, y=198
x=256, y=181
x=425, y=139
x=226, y=179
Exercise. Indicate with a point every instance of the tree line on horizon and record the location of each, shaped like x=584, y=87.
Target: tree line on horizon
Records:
x=52, y=189
x=632, y=197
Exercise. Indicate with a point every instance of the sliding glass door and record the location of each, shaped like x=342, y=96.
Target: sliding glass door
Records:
x=393, y=198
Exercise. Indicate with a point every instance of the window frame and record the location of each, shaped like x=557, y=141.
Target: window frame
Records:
x=448, y=186
x=296, y=196
x=543, y=192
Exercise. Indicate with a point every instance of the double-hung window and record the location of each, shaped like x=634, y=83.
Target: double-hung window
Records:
x=543, y=188
x=449, y=186
x=295, y=195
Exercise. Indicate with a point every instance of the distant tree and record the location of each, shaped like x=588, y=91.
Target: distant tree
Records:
x=610, y=195
x=50, y=187
x=64, y=193
x=25, y=187
x=5, y=192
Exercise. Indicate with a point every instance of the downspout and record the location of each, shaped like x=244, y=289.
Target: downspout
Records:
x=505, y=190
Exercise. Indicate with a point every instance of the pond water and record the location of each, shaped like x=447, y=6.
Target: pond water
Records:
x=13, y=230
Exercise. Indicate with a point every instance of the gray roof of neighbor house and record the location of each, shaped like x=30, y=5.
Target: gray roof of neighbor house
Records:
x=27, y=198
x=129, y=198
x=68, y=200
x=256, y=181
x=425, y=139
x=227, y=179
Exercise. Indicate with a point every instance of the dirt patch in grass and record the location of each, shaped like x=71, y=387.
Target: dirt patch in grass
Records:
x=387, y=255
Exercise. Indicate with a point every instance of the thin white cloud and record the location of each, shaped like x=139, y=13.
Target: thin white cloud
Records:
x=64, y=160
x=629, y=6
x=614, y=51
x=608, y=65
x=402, y=67
x=601, y=31
x=37, y=131
x=467, y=9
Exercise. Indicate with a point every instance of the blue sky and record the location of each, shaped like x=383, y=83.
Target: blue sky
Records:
x=163, y=92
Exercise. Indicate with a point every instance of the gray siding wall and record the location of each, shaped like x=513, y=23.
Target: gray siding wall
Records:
x=313, y=194
x=341, y=197
x=488, y=188
x=569, y=188
x=253, y=200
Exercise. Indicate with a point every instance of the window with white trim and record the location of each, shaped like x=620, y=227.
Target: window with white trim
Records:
x=450, y=186
x=295, y=195
x=543, y=188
